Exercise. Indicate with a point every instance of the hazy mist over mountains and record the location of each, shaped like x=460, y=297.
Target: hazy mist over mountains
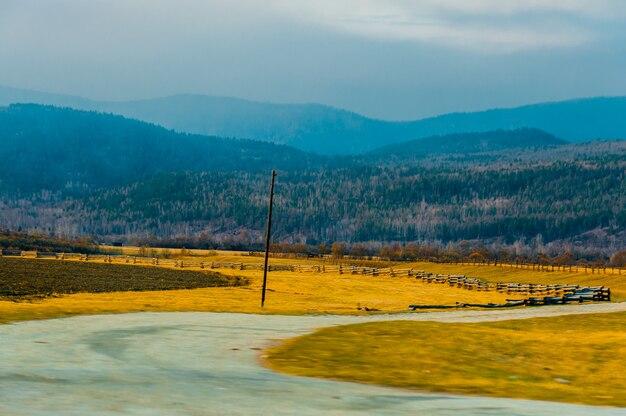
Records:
x=327, y=130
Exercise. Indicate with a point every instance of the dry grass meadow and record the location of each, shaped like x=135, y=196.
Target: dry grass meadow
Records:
x=292, y=292
x=288, y=293
x=577, y=359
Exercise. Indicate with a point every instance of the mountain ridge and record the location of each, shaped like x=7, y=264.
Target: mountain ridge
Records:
x=489, y=141
x=91, y=149
x=328, y=130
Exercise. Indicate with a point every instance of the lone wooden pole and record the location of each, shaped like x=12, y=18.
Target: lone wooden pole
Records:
x=268, y=232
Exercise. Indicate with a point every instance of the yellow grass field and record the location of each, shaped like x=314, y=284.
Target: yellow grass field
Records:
x=298, y=292
x=288, y=293
x=578, y=359
x=613, y=278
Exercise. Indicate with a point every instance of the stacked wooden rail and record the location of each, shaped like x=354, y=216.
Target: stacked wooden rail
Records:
x=571, y=295
x=540, y=294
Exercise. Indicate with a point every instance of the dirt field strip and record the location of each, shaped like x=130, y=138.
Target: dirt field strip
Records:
x=22, y=278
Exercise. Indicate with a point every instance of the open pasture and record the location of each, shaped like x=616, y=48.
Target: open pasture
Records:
x=295, y=289
x=578, y=359
x=611, y=277
x=289, y=292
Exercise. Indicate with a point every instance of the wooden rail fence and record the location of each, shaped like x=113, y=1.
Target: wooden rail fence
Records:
x=539, y=293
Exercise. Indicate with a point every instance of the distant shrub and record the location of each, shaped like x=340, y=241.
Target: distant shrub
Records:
x=618, y=259
x=45, y=243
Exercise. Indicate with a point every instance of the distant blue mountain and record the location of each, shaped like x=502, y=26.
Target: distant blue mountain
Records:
x=579, y=120
x=327, y=130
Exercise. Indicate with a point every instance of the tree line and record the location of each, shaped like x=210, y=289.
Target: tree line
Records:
x=461, y=252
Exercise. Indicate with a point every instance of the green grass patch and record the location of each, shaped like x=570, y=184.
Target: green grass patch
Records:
x=576, y=358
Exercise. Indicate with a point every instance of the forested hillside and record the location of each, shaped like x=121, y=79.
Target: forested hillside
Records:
x=464, y=143
x=557, y=201
x=78, y=173
x=52, y=148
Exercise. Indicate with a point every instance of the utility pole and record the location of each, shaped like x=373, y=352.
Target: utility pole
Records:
x=268, y=233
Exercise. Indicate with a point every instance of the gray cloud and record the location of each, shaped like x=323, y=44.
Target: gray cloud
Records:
x=481, y=25
x=390, y=59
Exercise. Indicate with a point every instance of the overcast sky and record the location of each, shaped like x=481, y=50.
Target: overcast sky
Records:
x=394, y=59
